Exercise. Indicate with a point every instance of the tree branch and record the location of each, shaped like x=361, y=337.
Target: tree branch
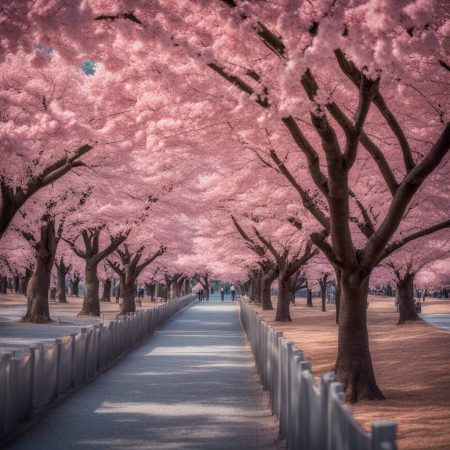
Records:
x=367, y=228
x=401, y=242
x=307, y=201
x=311, y=155
x=355, y=75
x=252, y=244
x=407, y=189
x=267, y=244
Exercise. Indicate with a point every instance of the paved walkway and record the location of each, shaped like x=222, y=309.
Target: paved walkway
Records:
x=191, y=386
x=438, y=320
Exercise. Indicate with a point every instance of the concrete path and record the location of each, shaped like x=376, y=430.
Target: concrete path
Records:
x=193, y=385
x=438, y=320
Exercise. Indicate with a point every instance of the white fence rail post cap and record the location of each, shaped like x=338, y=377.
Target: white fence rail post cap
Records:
x=384, y=434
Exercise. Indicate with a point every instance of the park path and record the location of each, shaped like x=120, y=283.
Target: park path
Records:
x=438, y=320
x=193, y=385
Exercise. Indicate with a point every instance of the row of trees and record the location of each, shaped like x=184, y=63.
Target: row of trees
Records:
x=291, y=141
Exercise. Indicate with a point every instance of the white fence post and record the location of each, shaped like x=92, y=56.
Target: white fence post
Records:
x=384, y=435
x=310, y=417
x=58, y=367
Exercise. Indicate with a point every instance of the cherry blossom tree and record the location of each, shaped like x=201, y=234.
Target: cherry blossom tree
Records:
x=405, y=264
x=43, y=133
x=343, y=100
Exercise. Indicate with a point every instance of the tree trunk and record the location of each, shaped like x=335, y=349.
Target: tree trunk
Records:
x=25, y=280
x=251, y=291
x=39, y=284
x=283, y=313
x=148, y=290
x=106, y=297
x=309, y=298
x=180, y=287
x=163, y=290
x=354, y=364
x=337, y=299
x=405, y=289
x=61, y=282
x=118, y=292
x=168, y=295
x=323, y=290
x=266, y=290
x=17, y=284
x=37, y=297
x=129, y=302
x=257, y=288
x=75, y=287
x=4, y=285
x=91, y=302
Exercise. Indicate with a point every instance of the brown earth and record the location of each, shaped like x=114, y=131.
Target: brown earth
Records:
x=411, y=363
x=108, y=310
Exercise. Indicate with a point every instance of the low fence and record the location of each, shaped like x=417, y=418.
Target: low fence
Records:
x=311, y=417
x=30, y=382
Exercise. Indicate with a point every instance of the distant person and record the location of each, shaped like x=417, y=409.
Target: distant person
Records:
x=199, y=293
x=424, y=295
x=418, y=306
x=233, y=292
x=222, y=294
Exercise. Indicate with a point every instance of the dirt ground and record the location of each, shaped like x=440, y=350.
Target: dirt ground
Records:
x=411, y=363
x=17, y=336
x=15, y=305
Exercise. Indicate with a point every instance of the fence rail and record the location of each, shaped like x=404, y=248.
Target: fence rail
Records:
x=311, y=417
x=33, y=380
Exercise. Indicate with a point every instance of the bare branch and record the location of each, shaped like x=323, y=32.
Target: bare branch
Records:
x=307, y=201
x=425, y=232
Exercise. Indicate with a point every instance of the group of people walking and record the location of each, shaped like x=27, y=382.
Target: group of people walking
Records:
x=202, y=296
x=232, y=292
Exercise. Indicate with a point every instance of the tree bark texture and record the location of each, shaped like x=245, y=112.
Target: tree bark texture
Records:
x=25, y=280
x=309, y=297
x=16, y=284
x=39, y=284
x=4, y=284
x=106, y=297
x=267, y=279
x=75, y=286
x=91, y=302
x=354, y=365
x=283, y=313
x=337, y=297
x=405, y=288
x=62, y=271
x=257, y=287
x=323, y=282
x=129, y=300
